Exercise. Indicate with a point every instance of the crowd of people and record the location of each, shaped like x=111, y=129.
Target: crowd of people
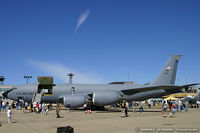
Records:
x=34, y=107
x=169, y=107
x=24, y=106
x=3, y=105
x=174, y=106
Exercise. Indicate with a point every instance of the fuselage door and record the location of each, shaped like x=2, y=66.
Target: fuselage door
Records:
x=45, y=84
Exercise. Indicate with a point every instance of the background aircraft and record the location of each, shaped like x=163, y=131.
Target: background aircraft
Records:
x=191, y=99
x=101, y=94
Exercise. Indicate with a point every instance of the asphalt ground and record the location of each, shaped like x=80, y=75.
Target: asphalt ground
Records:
x=109, y=121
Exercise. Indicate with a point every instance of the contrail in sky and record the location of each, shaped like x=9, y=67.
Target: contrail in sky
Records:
x=82, y=19
x=61, y=71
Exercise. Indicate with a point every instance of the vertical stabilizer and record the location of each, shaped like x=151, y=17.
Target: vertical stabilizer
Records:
x=168, y=73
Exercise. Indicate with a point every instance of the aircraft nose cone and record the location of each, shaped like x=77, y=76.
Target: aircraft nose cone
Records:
x=5, y=94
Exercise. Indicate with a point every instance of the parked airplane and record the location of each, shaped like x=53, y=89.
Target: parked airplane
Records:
x=191, y=99
x=103, y=94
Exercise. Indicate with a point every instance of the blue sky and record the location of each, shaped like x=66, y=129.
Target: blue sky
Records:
x=99, y=41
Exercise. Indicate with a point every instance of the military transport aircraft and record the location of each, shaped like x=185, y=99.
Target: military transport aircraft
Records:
x=102, y=94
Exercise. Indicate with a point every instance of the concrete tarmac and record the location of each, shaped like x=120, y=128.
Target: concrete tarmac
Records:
x=101, y=122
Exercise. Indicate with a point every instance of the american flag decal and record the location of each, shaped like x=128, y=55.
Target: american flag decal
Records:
x=168, y=68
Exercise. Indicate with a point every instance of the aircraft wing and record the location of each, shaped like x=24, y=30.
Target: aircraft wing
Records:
x=157, y=87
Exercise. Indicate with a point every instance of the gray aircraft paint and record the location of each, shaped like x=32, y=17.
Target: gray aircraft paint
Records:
x=105, y=94
x=168, y=73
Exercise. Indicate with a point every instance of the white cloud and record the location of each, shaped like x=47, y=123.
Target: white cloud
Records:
x=60, y=71
x=82, y=19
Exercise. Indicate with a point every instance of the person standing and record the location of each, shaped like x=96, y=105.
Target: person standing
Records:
x=141, y=107
x=26, y=106
x=23, y=106
x=9, y=114
x=43, y=108
x=40, y=108
x=34, y=106
x=173, y=110
x=31, y=107
x=149, y=103
x=135, y=106
x=126, y=109
x=170, y=105
x=186, y=106
x=68, y=107
x=179, y=105
x=164, y=109
x=58, y=108
x=84, y=107
x=198, y=104
x=13, y=104
x=0, y=105
x=17, y=105
x=37, y=107
x=88, y=108
x=123, y=106
x=4, y=106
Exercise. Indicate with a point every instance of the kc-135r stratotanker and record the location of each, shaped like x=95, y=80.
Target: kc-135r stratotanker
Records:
x=102, y=94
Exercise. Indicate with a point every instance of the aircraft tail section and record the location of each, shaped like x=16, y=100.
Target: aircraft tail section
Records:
x=168, y=74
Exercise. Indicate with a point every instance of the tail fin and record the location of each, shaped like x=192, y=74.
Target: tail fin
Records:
x=168, y=73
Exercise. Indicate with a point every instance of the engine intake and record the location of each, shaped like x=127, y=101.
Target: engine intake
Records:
x=74, y=100
x=105, y=98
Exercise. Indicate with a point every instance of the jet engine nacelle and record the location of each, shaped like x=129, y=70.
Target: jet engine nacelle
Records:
x=105, y=98
x=74, y=100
